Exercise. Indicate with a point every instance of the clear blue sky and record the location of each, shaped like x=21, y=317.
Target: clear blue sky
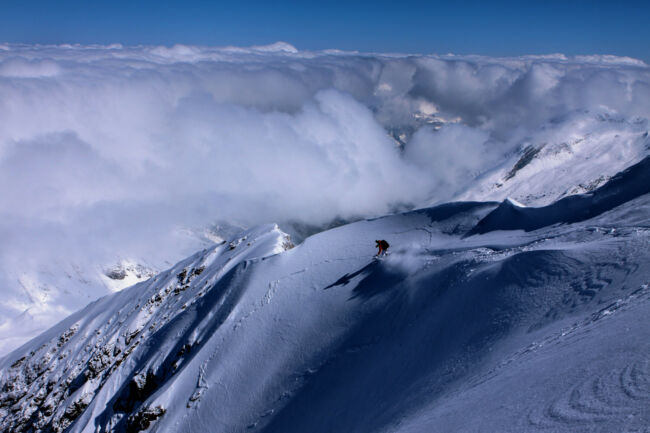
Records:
x=463, y=27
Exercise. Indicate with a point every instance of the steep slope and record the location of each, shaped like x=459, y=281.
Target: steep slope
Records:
x=33, y=300
x=557, y=162
x=36, y=297
x=625, y=186
x=75, y=358
x=505, y=330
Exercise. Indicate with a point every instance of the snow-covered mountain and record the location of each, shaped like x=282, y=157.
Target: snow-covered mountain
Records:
x=485, y=316
x=55, y=290
x=118, y=161
x=557, y=163
x=44, y=293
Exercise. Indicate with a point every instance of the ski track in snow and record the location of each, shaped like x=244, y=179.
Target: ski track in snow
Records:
x=621, y=394
x=611, y=399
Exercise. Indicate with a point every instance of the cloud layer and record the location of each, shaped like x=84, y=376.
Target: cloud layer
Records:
x=114, y=152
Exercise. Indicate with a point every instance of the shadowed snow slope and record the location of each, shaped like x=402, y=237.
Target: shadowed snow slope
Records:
x=502, y=331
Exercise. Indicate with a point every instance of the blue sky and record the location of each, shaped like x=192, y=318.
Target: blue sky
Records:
x=464, y=27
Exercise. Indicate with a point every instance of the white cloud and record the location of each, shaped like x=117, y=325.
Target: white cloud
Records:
x=21, y=68
x=454, y=156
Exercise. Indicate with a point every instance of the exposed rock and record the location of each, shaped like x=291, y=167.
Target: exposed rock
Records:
x=142, y=419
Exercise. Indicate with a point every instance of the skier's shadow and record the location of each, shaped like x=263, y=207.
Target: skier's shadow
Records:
x=375, y=279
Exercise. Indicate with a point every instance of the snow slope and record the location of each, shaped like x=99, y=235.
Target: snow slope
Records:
x=457, y=329
x=627, y=185
x=558, y=160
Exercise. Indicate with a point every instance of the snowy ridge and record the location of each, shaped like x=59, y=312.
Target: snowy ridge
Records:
x=95, y=342
x=503, y=331
x=557, y=165
x=627, y=185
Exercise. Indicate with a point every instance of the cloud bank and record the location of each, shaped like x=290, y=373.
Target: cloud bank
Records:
x=110, y=152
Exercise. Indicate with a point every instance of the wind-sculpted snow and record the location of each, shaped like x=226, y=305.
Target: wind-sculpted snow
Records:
x=141, y=155
x=502, y=331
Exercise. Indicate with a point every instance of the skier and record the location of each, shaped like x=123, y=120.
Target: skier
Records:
x=383, y=247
